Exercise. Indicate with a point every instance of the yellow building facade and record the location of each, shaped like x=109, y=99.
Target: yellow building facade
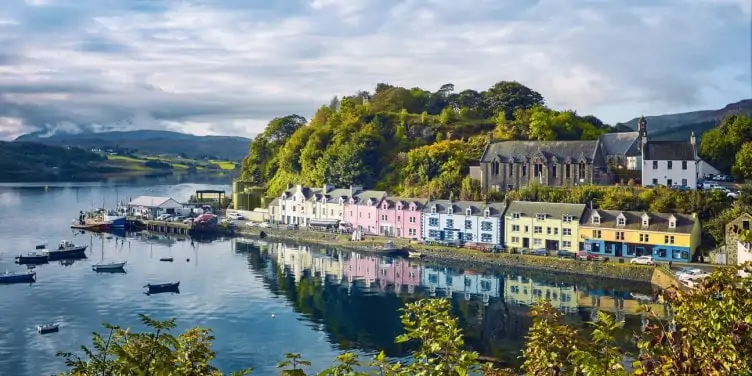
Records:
x=665, y=236
x=542, y=225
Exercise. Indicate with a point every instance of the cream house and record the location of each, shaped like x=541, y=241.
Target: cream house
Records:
x=542, y=225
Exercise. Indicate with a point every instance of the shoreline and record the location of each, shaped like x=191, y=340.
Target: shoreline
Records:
x=612, y=270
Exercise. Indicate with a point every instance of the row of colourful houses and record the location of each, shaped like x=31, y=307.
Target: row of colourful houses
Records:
x=513, y=225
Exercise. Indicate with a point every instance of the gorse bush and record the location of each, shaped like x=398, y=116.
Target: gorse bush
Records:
x=708, y=334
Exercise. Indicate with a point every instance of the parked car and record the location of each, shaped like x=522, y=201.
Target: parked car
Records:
x=251, y=224
x=643, y=260
x=565, y=254
x=236, y=216
x=691, y=273
x=177, y=218
x=264, y=225
x=587, y=256
x=540, y=252
x=163, y=217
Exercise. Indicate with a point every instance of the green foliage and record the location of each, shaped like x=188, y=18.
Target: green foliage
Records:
x=378, y=140
x=293, y=365
x=725, y=144
x=549, y=343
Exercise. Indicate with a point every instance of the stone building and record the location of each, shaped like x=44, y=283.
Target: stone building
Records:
x=513, y=164
x=734, y=252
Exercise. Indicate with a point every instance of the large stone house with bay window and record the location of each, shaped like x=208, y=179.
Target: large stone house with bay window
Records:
x=510, y=165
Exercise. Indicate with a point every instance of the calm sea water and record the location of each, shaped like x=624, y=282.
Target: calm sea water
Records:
x=261, y=302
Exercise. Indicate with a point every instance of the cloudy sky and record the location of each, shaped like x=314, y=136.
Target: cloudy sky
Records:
x=229, y=66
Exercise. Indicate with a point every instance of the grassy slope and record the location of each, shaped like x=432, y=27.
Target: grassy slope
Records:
x=136, y=163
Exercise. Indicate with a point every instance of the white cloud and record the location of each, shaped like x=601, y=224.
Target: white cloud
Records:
x=229, y=66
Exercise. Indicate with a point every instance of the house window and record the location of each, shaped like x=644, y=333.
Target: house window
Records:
x=383, y=217
x=511, y=169
x=556, y=231
x=412, y=219
x=645, y=222
x=515, y=239
x=433, y=234
x=684, y=182
x=369, y=215
x=283, y=208
x=486, y=213
x=450, y=223
x=515, y=215
x=669, y=164
x=537, y=242
x=596, y=220
x=668, y=239
x=399, y=218
x=331, y=212
x=537, y=230
x=621, y=221
x=527, y=229
x=671, y=223
x=495, y=167
x=486, y=226
x=619, y=235
x=433, y=210
x=553, y=170
x=468, y=225
x=524, y=170
x=433, y=222
x=669, y=183
x=449, y=235
x=655, y=182
x=450, y=210
x=567, y=219
x=566, y=244
x=486, y=238
x=684, y=165
x=293, y=208
x=582, y=170
x=411, y=232
x=568, y=171
x=516, y=228
x=566, y=231
x=597, y=234
x=655, y=165
x=548, y=230
x=540, y=217
x=469, y=236
x=644, y=238
x=468, y=211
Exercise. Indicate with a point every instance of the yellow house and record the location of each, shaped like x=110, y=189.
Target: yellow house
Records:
x=666, y=237
x=536, y=225
x=525, y=291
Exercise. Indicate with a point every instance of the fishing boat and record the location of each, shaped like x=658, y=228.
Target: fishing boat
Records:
x=114, y=219
x=173, y=287
x=33, y=258
x=18, y=277
x=48, y=328
x=166, y=259
x=108, y=266
x=67, y=249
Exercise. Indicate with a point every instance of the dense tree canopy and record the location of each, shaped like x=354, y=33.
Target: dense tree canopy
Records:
x=728, y=147
x=406, y=141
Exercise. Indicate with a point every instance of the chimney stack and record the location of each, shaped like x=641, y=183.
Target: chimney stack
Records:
x=692, y=139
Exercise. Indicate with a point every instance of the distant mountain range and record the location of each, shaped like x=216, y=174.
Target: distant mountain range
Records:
x=151, y=142
x=680, y=126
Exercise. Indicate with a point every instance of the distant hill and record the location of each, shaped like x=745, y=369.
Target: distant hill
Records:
x=680, y=126
x=27, y=161
x=150, y=142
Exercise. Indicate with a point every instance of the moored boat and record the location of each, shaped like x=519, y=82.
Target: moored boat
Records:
x=108, y=266
x=48, y=328
x=166, y=259
x=173, y=287
x=67, y=249
x=33, y=258
x=18, y=277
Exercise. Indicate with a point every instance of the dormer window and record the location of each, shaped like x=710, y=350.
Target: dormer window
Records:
x=487, y=213
x=515, y=215
x=621, y=220
x=450, y=210
x=540, y=217
x=469, y=211
x=399, y=206
x=672, y=222
x=433, y=209
x=566, y=219
x=341, y=200
x=385, y=206
x=645, y=220
x=596, y=219
x=413, y=207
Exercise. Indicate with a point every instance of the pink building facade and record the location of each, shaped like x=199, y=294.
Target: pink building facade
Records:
x=399, y=273
x=400, y=217
x=361, y=268
x=362, y=211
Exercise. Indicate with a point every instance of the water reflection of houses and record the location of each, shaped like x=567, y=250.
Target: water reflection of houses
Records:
x=299, y=259
x=398, y=273
x=467, y=283
x=525, y=291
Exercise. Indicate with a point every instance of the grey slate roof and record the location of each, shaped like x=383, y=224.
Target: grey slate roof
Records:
x=658, y=221
x=392, y=202
x=563, y=151
x=669, y=151
x=334, y=195
x=496, y=209
x=553, y=210
x=306, y=191
x=622, y=143
x=362, y=197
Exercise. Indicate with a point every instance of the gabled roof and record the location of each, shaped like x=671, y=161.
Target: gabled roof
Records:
x=659, y=222
x=552, y=209
x=521, y=151
x=392, y=202
x=669, y=151
x=362, y=197
x=334, y=195
x=496, y=209
x=621, y=143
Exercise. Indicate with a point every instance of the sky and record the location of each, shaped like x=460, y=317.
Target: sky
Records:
x=229, y=66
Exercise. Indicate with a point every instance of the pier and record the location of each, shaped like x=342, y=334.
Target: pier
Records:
x=177, y=228
x=168, y=227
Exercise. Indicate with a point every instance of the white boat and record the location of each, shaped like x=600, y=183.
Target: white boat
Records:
x=108, y=266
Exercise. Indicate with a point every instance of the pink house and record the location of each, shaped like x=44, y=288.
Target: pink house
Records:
x=362, y=211
x=361, y=268
x=400, y=217
x=399, y=273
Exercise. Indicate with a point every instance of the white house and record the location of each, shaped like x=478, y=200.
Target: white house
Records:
x=153, y=206
x=306, y=206
x=468, y=221
x=668, y=163
x=467, y=283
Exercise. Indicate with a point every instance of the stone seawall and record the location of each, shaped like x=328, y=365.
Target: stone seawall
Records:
x=611, y=269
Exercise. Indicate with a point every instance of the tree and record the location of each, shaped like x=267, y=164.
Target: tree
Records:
x=509, y=96
x=743, y=161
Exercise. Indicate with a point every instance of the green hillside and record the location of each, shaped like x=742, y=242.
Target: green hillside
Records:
x=406, y=141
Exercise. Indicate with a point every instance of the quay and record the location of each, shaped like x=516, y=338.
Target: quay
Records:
x=177, y=228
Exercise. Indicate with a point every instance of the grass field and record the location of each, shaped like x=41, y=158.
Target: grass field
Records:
x=137, y=163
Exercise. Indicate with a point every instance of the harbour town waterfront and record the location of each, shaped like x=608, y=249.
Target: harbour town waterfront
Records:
x=261, y=300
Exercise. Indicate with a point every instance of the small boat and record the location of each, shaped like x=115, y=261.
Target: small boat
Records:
x=393, y=251
x=48, y=328
x=166, y=259
x=29, y=276
x=108, y=266
x=412, y=254
x=33, y=258
x=67, y=249
x=173, y=287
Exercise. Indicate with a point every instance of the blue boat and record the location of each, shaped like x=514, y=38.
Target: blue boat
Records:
x=20, y=277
